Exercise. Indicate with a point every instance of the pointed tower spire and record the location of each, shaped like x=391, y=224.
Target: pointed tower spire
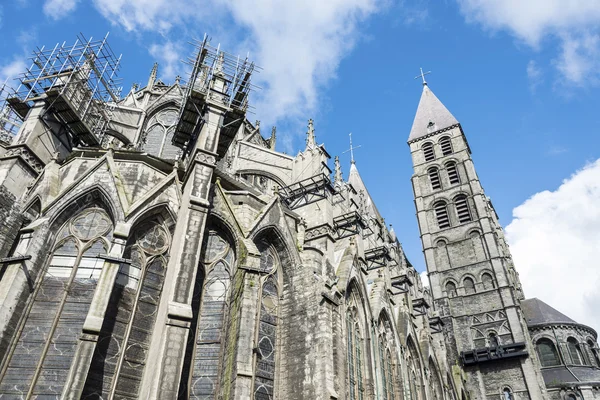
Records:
x=152, y=78
x=273, y=138
x=338, y=179
x=431, y=116
x=310, y=136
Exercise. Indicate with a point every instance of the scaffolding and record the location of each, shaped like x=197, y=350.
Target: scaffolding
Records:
x=77, y=82
x=10, y=121
x=208, y=64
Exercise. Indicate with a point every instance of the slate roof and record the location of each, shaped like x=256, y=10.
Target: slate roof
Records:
x=539, y=313
x=431, y=116
x=559, y=375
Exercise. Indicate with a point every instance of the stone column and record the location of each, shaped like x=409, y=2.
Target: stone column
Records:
x=175, y=313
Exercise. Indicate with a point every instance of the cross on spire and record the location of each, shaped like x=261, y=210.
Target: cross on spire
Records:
x=422, y=76
x=351, y=149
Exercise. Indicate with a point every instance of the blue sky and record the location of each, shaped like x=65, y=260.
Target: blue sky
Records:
x=521, y=78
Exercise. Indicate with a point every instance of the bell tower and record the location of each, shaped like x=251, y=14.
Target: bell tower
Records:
x=473, y=281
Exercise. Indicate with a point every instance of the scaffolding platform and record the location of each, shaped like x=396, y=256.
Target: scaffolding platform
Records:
x=377, y=257
x=10, y=120
x=218, y=76
x=306, y=191
x=76, y=82
x=349, y=224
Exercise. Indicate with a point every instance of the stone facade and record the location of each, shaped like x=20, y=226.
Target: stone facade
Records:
x=214, y=267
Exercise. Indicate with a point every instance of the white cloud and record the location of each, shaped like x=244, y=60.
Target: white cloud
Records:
x=573, y=23
x=10, y=70
x=169, y=56
x=298, y=43
x=534, y=74
x=57, y=9
x=555, y=242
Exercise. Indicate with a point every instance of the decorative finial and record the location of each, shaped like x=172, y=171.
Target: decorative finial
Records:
x=273, y=138
x=422, y=76
x=135, y=86
x=219, y=64
x=153, y=74
x=177, y=79
x=338, y=179
x=310, y=135
x=257, y=125
x=351, y=150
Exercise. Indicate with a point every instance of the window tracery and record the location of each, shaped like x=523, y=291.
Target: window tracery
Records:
x=354, y=350
x=158, y=137
x=121, y=354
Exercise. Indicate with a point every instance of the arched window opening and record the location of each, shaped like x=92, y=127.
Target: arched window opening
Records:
x=469, y=285
x=264, y=380
x=575, y=351
x=446, y=146
x=434, y=178
x=547, y=353
x=355, y=355
x=572, y=397
x=462, y=209
x=441, y=214
x=507, y=393
x=487, y=281
x=386, y=343
x=450, y=289
x=158, y=137
x=61, y=299
x=428, y=152
x=594, y=351
x=452, y=172
x=493, y=340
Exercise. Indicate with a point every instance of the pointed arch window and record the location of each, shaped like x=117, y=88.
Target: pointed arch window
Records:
x=385, y=358
x=463, y=213
x=355, y=356
x=575, y=351
x=469, y=285
x=487, y=281
x=434, y=178
x=446, y=146
x=266, y=345
x=547, y=353
x=428, y=152
x=507, y=394
x=452, y=172
x=158, y=137
x=210, y=313
x=61, y=300
x=450, y=289
x=121, y=355
x=441, y=214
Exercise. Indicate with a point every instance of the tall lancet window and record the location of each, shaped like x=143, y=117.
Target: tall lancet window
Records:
x=386, y=349
x=266, y=345
x=61, y=300
x=218, y=259
x=355, y=354
x=121, y=355
x=158, y=137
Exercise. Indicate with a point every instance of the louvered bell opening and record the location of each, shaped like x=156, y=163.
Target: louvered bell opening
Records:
x=441, y=215
x=446, y=146
x=452, y=174
x=434, y=177
x=428, y=152
x=462, y=210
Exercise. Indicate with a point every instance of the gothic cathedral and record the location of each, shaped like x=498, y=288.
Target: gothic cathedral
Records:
x=155, y=245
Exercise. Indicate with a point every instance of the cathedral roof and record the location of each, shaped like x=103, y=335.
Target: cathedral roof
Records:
x=431, y=116
x=539, y=313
